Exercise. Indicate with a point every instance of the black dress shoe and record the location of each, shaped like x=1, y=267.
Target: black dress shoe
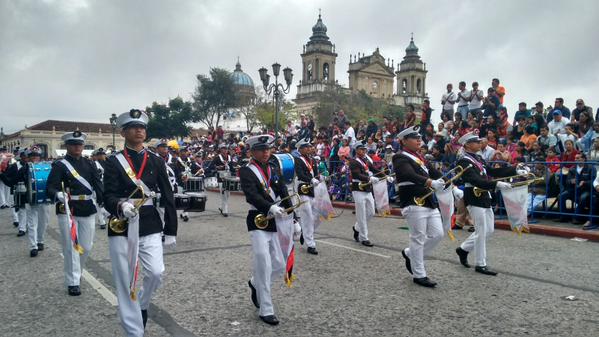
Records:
x=301, y=238
x=367, y=243
x=254, y=295
x=270, y=319
x=33, y=253
x=185, y=218
x=471, y=229
x=463, y=256
x=485, y=270
x=21, y=233
x=312, y=250
x=74, y=291
x=144, y=317
x=226, y=215
x=408, y=262
x=425, y=282
x=356, y=234
x=40, y=246
x=16, y=224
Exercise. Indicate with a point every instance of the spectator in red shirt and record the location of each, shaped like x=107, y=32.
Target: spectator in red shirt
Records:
x=569, y=154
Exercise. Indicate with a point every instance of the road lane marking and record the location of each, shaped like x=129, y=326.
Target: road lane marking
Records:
x=354, y=249
x=100, y=288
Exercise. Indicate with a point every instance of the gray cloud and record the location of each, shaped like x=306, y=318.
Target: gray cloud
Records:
x=83, y=60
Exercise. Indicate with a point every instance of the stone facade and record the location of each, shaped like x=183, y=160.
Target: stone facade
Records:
x=372, y=74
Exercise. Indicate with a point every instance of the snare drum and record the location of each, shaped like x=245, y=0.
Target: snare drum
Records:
x=182, y=201
x=194, y=184
x=231, y=184
x=197, y=202
x=287, y=165
x=223, y=174
x=36, y=189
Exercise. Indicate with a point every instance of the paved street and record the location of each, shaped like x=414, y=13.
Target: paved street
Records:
x=347, y=290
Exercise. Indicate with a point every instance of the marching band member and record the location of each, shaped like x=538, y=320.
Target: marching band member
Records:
x=9, y=177
x=162, y=150
x=416, y=177
x=4, y=188
x=37, y=213
x=221, y=164
x=99, y=158
x=479, y=207
x=130, y=169
x=307, y=174
x=262, y=189
x=75, y=180
x=362, y=171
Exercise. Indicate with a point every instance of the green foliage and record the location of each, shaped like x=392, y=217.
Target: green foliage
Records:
x=357, y=106
x=213, y=97
x=170, y=120
x=265, y=114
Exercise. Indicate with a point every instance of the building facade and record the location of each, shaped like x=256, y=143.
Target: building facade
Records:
x=372, y=74
x=411, y=78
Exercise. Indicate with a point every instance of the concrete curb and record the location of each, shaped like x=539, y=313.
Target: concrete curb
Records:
x=499, y=224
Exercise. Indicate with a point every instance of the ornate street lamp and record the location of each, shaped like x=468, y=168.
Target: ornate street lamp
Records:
x=276, y=88
x=113, y=124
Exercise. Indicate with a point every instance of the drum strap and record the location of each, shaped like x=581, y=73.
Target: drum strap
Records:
x=76, y=175
x=138, y=182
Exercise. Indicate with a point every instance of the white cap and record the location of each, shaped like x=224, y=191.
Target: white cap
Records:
x=469, y=137
x=75, y=137
x=260, y=142
x=133, y=117
x=302, y=143
x=411, y=131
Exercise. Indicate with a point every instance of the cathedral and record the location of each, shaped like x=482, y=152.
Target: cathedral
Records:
x=372, y=74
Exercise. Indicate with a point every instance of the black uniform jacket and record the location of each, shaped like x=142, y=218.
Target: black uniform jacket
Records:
x=218, y=165
x=358, y=172
x=9, y=176
x=304, y=175
x=86, y=169
x=14, y=175
x=118, y=185
x=475, y=177
x=408, y=171
x=257, y=196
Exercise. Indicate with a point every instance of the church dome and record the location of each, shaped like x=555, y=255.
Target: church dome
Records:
x=240, y=78
x=319, y=31
x=412, y=49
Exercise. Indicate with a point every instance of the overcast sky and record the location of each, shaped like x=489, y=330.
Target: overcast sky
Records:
x=83, y=59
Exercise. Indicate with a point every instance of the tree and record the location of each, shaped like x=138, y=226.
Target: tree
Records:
x=213, y=97
x=265, y=111
x=170, y=120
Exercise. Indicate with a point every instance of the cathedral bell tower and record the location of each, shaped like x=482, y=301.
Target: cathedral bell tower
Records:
x=411, y=77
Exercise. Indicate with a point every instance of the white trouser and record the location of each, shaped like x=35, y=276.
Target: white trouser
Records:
x=15, y=214
x=181, y=213
x=100, y=216
x=484, y=225
x=307, y=221
x=268, y=265
x=22, y=216
x=73, y=262
x=4, y=194
x=364, y=202
x=426, y=231
x=224, y=199
x=37, y=220
x=150, y=259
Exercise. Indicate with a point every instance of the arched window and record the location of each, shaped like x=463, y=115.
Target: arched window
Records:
x=418, y=86
x=309, y=72
x=404, y=86
x=325, y=72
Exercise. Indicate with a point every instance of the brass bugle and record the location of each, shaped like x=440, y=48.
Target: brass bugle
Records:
x=362, y=186
x=261, y=220
x=421, y=200
x=119, y=225
x=479, y=191
x=305, y=189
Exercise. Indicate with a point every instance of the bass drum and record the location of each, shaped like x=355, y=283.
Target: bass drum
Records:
x=287, y=166
x=36, y=186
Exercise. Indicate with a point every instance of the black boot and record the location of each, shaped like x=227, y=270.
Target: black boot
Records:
x=270, y=319
x=425, y=282
x=254, y=295
x=408, y=262
x=74, y=290
x=463, y=256
x=312, y=250
x=144, y=317
x=356, y=234
x=485, y=270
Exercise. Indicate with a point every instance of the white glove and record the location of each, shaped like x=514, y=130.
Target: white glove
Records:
x=276, y=210
x=128, y=210
x=61, y=196
x=374, y=180
x=170, y=241
x=322, y=179
x=438, y=185
x=522, y=172
x=501, y=185
x=457, y=193
x=315, y=181
x=390, y=179
x=297, y=230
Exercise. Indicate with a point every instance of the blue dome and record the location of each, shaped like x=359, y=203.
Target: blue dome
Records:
x=240, y=78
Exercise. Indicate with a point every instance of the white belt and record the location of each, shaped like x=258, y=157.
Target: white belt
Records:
x=148, y=202
x=357, y=181
x=405, y=183
x=81, y=197
x=468, y=185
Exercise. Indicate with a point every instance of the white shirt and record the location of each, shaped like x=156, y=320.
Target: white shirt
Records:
x=464, y=94
x=350, y=133
x=487, y=153
x=558, y=127
x=319, y=149
x=476, y=103
x=446, y=97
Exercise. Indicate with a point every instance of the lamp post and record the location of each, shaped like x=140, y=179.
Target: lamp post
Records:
x=276, y=88
x=113, y=124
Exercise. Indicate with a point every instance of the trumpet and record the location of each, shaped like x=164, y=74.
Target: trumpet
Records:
x=363, y=186
x=261, y=220
x=479, y=191
x=460, y=170
x=305, y=189
x=118, y=225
